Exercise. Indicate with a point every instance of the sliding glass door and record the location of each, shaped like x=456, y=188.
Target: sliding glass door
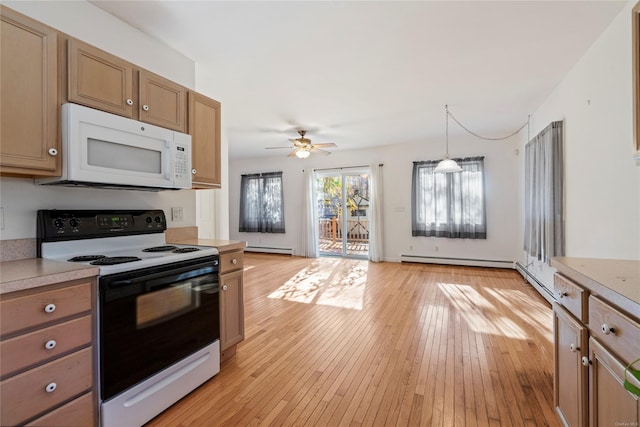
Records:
x=343, y=213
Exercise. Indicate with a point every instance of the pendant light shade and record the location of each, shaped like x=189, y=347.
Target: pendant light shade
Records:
x=447, y=165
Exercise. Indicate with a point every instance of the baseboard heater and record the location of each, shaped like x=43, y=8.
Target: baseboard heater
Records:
x=538, y=285
x=269, y=250
x=471, y=262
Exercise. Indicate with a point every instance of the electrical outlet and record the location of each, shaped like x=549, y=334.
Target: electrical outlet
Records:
x=177, y=214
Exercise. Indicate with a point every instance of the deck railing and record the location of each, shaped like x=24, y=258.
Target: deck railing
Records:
x=331, y=228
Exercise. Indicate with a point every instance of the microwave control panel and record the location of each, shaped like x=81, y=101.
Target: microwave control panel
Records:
x=182, y=165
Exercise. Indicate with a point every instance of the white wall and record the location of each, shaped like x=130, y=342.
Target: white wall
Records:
x=20, y=197
x=501, y=189
x=602, y=180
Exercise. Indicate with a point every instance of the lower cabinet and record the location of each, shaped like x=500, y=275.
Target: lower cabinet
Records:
x=590, y=357
x=46, y=347
x=231, y=302
x=570, y=376
x=610, y=403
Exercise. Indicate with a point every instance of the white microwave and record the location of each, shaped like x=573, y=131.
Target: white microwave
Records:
x=104, y=150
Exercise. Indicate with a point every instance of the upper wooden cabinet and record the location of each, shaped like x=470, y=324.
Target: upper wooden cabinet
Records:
x=100, y=80
x=28, y=102
x=204, y=128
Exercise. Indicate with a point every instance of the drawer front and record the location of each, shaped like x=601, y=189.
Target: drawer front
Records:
x=617, y=331
x=44, y=387
x=231, y=261
x=41, y=345
x=571, y=296
x=32, y=310
x=77, y=413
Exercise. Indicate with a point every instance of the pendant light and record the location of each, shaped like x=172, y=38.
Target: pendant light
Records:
x=447, y=165
x=303, y=153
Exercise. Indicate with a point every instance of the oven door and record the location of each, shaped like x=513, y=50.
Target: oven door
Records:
x=153, y=317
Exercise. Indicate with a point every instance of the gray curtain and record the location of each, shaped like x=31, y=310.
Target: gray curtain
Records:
x=262, y=203
x=449, y=204
x=544, y=194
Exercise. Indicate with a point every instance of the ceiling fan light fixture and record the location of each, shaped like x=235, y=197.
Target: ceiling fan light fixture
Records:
x=303, y=154
x=447, y=165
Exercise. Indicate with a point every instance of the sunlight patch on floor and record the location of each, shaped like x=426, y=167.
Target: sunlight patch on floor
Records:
x=331, y=282
x=481, y=315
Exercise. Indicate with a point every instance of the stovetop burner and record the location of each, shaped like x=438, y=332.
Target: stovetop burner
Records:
x=84, y=258
x=115, y=260
x=185, y=250
x=164, y=248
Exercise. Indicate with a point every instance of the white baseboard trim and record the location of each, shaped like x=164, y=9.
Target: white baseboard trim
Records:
x=269, y=250
x=457, y=261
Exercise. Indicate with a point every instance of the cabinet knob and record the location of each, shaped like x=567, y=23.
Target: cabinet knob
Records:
x=145, y=107
x=224, y=287
x=563, y=294
x=574, y=348
x=606, y=329
x=49, y=308
x=193, y=171
x=586, y=361
x=234, y=261
x=53, y=152
x=50, y=345
x=129, y=101
x=50, y=388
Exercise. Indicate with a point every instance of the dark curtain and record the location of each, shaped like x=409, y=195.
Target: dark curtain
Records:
x=544, y=194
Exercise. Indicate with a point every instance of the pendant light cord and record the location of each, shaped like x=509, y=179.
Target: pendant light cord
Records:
x=446, y=109
x=475, y=134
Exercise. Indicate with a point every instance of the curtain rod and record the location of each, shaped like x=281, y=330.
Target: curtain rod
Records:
x=346, y=167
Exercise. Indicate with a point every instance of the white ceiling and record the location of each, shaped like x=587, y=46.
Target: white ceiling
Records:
x=370, y=73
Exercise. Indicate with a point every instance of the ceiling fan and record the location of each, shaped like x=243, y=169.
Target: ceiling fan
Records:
x=302, y=147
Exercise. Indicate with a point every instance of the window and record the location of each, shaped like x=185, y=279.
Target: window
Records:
x=262, y=203
x=449, y=204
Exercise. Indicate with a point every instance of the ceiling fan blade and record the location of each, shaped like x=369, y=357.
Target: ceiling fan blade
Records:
x=293, y=153
x=319, y=151
x=325, y=145
x=275, y=148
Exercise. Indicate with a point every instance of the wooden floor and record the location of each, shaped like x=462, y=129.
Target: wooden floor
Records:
x=343, y=342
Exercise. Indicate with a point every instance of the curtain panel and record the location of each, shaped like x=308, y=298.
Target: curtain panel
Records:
x=544, y=194
x=449, y=204
x=262, y=203
x=309, y=216
x=375, y=221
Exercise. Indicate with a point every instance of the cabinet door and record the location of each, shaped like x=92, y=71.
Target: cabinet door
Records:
x=162, y=102
x=204, y=128
x=570, y=376
x=100, y=80
x=28, y=104
x=231, y=309
x=609, y=402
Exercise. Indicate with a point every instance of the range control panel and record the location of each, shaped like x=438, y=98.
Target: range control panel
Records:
x=55, y=225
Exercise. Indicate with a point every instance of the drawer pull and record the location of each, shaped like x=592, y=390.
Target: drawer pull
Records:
x=234, y=261
x=586, y=361
x=607, y=330
x=50, y=345
x=129, y=101
x=574, y=348
x=51, y=387
x=564, y=294
x=224, y=287
x=49, y=308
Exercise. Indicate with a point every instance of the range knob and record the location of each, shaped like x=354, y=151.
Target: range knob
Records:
x=74, y=222
x=158, y=219
x=149, y=220
x=58, y=223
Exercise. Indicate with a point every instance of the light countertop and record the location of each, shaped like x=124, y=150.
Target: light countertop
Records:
x=617, y=281
x=35, y=272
